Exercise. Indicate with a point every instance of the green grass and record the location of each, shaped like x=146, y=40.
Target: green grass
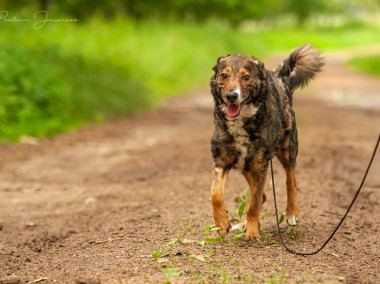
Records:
x=66, y=75
x=368, y=64
x=205, y=261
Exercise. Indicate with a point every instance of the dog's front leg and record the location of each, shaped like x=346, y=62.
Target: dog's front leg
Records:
x=292, y=210
x=256, y=181
x=220, y=176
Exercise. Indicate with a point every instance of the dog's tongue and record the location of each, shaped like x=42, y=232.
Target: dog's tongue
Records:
x=233, y=110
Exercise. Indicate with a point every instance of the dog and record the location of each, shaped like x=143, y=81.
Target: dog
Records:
x=253, y=119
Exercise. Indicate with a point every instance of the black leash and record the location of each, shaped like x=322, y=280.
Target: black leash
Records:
x=344, y=216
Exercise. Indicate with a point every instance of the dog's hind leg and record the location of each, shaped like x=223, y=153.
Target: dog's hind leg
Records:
x=256, y=181
x=219, y=182
x=287, y=157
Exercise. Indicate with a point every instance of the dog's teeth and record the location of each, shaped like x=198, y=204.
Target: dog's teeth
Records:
x=238, y=227
x=292, y=220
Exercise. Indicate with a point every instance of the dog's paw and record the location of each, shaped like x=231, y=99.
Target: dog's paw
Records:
x=292, y=220
x=239, y=227
x=249, y=235
x=223, y=231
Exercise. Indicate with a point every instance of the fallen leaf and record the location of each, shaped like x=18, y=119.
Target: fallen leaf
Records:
x=39, y=280
x=172, y=272
x=199, y=257
x=213, y=240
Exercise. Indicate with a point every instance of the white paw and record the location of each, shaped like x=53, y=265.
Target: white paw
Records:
x=292, y=220
x=238, y=227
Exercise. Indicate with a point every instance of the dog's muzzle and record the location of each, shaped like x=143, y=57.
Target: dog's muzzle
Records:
x=234, y=105
x=232, y=96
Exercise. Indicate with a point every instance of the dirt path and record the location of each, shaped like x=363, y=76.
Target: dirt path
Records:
x=93, y=205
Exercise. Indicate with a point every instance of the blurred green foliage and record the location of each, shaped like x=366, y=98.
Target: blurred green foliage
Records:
x=32, y=93
x=49, y=85
x=369, y=64
x=232, y=11
x=67, y=74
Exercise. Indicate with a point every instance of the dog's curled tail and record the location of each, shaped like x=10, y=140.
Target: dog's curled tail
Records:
x=301, y=66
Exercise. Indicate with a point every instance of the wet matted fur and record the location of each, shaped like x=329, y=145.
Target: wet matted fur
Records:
x=250, y=102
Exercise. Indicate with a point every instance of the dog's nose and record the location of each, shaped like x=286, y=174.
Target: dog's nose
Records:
x=232, y=96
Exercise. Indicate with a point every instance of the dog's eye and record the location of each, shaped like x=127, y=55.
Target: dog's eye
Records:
x=246, y=77
x=223, y=76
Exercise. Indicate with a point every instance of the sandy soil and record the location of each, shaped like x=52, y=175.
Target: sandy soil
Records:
x=93, y=205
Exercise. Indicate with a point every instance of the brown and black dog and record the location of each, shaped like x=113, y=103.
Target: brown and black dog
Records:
x=253, y=118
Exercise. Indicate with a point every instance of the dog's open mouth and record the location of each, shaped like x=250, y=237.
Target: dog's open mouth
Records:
x=233, y=110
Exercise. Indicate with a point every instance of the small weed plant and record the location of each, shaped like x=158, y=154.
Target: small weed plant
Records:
x=203, y=251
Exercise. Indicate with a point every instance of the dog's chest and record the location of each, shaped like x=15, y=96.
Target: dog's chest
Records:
x=240, y=135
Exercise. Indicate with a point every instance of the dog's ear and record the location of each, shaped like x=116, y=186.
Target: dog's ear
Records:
x=220, y=58
x=258, y=62
x=213, y=84
x=215, y=68
x=261, y=67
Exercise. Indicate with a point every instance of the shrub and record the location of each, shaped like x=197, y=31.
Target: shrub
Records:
x=33, y=99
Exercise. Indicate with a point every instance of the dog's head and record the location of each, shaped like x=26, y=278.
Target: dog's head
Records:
x=236, y=82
